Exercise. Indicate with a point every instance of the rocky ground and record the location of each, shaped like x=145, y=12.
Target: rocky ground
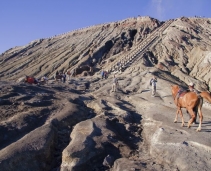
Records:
x=64, y=126
x=61, y=126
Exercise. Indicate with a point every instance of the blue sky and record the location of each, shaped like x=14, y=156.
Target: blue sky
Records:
x=22, y=21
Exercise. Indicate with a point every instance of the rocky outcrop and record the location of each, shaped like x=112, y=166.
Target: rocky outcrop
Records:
x=184, y=42
x=33, y=152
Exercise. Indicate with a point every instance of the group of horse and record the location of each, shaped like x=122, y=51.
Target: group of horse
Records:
x=192, y=102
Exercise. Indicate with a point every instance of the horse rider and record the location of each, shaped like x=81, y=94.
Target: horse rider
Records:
x=192, y=88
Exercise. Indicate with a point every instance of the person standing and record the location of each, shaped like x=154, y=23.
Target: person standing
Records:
x=44, y=80
x=102, y=74
x=56, y=75
x=153, y=82
x=64, y=77
x=192, y=88
x=115, y=84
x=105, y=74
x=68, y=75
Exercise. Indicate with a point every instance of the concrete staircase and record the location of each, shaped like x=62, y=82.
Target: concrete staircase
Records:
x=137, y=52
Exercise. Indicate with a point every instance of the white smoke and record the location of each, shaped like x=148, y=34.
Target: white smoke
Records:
x=159, y=8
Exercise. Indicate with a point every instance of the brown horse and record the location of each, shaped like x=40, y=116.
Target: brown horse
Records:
x=192, y=102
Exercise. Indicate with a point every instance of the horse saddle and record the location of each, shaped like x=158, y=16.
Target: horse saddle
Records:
x=181, y=93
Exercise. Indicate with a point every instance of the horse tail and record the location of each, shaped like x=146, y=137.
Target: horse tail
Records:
x=195, y=110
x=198, y=107
x=200, y=112
x=206, y=95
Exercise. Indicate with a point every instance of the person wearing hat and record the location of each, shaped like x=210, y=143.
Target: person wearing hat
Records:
x=192, y=88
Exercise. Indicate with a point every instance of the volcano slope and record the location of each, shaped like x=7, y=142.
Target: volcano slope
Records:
x=62, y=126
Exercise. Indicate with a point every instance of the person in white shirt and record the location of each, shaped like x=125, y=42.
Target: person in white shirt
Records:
x=153, y=82
x=115, y=84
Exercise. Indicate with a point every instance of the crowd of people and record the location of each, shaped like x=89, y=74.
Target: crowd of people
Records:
x=33, y=80
x=59, y=76
x=44, y=79
x=104, y=74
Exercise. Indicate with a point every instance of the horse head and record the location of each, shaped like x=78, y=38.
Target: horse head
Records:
x=174, y=90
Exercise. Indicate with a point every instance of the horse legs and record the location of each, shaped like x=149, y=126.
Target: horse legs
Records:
x=183, y=123
x=179, y=111
x=195, y=111
x=193, y=116
x=175, y=120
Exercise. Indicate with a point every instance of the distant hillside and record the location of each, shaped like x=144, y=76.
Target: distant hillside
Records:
x=182, y=48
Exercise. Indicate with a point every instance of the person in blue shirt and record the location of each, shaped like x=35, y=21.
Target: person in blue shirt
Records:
x=102, y=74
